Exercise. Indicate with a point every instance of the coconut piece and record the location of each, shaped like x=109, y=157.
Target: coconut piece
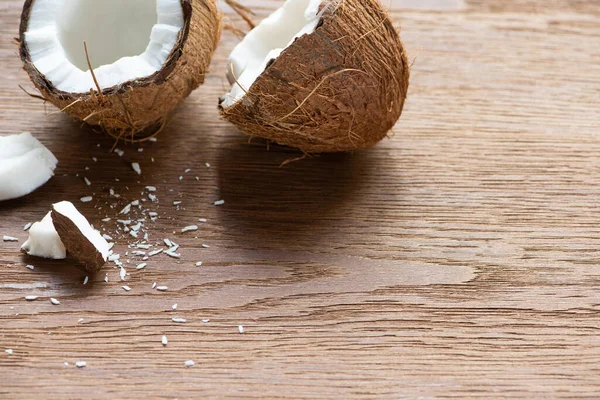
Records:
x=319, y=75
x=146, y=56
x=83, y=243
x=44, y=241
x=25, y=165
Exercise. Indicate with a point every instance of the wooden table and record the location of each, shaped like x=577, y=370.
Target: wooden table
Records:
x=459, y=259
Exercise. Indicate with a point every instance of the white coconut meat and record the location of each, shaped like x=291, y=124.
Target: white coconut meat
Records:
x=68, y=210
x=44, y=241
x=266, y=42
x=126, y=40
x=25, y=165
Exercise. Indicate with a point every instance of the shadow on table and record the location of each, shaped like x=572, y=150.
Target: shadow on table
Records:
x=279, y=205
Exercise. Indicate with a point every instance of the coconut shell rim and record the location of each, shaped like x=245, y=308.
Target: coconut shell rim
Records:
x=157, y=77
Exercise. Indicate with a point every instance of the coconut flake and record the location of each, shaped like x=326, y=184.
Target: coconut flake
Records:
x=31, y=267
x=162, y=288
x=87, y=181
x=126, y=209
x=151, y=188
x=136, y=167
x=126, y=288
x=86, y=280
x=178, y=320
x=25, y=165
x=54, y=301
x=86, y=199
x=219, y=202
x=141, y=266
x=122, y=273
x=27, y=226
x=155, y=252
x=9, y=352
x=199, y=264
x=240, y=329
x=164, y=340
x=189, y=228
x=189, y=363
x=80, y=364
x=9, y=239
x=31, y=298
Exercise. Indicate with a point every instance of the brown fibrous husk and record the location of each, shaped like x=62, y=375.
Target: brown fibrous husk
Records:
x=340, y=88
x=138, y=105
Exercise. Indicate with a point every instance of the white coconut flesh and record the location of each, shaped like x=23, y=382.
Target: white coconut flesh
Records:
x=126, y=40
x=266, y=42
x=25, y=165
x=67, y=209
x=44, y=241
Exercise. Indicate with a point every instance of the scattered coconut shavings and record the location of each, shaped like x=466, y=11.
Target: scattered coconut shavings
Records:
x=126, y=288
x=27, y=226
x=151, y=188
x=199, y=264
x=86, y=199
x=173, y=254
x=189, y=363
x=138, y=253
x=179, y=320
x=86, y=280
x=54, y=301
x=126, y=209
x=121, y=153
x=122, y=273
x=9, y=239
x=141, y=266
x=136, y=167
x=80, y=364
x=164, y=340
x=189, y=228
x=177, y=203
x=9, y=352
x=203, y=220
x=155, y=252
x=31, y=298
x=136, y=227
x=219, y=202
x=174, y=307
x=31, y=267
x=114, y=257
x=87, y=181
x=135, y=203
x=240, y=329
x=143, y=246
x=124, y=221
x=162, y=288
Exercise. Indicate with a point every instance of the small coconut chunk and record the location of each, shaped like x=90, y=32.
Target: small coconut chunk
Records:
x=240, y=329
x=86, y=199
x=178, y=320
x=25, y=165
x=44, y=240
x=189, y=363
x=189, y=228
x=219, y=202
x=127, y=288
x=164, y=340
x=80, y=364
x=136, y=167
x=31, y=298
x=9, y=352
x=162, y=288
x=54, y=301
x=9, y=239
x=27, y=226
x=83, y=243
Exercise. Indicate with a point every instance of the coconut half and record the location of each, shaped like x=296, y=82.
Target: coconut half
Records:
x=44, y=241
x=146, y=55
x=85, y=244
x=25, y=165
x=319, y=75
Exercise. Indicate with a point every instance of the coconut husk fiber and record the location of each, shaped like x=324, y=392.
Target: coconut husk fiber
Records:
x=132, y=107
x=340, y=88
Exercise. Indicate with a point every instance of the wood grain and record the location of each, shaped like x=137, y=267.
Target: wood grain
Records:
x=459, y=259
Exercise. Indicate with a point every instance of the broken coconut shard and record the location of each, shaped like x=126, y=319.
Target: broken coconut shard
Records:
x=136, y=82
x=44, y=241
x=85, y=244
x=25, y=165
x=351, y=88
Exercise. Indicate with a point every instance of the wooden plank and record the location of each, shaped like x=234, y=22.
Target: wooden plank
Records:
x=458, y=259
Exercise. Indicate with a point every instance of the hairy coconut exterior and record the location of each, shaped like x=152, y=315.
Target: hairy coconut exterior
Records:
x=77, y=245
x=340, y=88
x=133, y=106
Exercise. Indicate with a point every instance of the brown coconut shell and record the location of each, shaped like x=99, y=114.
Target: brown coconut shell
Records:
x=136, y=105
x=340, y=88
x=77, y=245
